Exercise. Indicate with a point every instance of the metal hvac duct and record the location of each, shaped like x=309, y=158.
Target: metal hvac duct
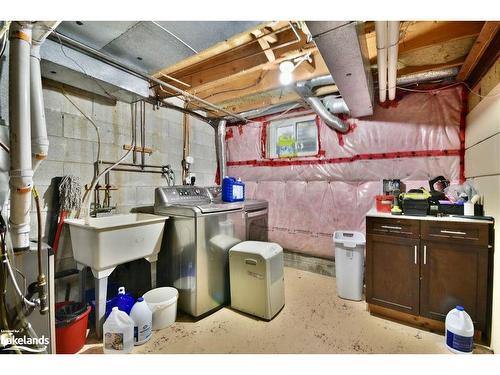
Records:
x=220, y=147
x=306, y=90
x=433, y=75
x=343, y=47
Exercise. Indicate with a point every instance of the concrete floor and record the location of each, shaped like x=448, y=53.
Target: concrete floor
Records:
x=314, y=320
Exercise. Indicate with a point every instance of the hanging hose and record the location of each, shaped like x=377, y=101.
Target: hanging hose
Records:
x=41, y=280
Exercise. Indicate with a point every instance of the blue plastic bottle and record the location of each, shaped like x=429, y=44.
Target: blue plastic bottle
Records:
x=124, y=302
x=233, y=190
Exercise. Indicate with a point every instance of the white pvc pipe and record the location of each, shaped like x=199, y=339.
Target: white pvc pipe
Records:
x=381, y=38
x=392, y=57
x=39, y=139
x=21, y=173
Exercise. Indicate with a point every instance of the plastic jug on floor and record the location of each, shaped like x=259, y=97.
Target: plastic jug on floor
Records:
x=124, y=301
x=118, y=333
x=143, y=321
x=459, y=336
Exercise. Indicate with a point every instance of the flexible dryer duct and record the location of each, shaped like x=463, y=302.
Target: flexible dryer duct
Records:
x=220, y=147
x=305, y=90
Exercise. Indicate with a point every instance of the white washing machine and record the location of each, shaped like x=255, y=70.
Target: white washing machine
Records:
x=256, y=278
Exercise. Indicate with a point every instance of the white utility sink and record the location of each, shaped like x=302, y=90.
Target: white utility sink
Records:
x=109, y=241
x=112, y=240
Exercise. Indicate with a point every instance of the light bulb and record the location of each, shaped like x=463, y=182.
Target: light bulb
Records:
x=286, y=78
x=287, y=66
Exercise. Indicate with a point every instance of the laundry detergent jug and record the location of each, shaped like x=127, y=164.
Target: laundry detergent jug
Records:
x=118, y=333
x=233, y=190
x=459, y=336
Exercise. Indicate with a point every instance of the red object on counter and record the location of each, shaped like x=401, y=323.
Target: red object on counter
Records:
x=384, y=203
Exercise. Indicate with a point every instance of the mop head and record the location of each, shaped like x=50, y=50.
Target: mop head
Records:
x=70, y=193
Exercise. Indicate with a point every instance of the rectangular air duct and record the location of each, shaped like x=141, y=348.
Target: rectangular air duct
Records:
x=343, y=47
x=74, y=68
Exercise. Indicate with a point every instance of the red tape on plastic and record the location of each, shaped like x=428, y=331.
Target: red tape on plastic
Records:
x=350, y=159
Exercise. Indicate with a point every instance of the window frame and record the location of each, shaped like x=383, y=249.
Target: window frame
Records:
x=272, y=130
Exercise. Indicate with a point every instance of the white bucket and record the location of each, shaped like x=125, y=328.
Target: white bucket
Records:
x=163, y=303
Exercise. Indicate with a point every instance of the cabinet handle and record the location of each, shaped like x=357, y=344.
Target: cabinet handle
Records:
x=416, y=251
x=425, y=254
x=390, y=227
x=453, y=232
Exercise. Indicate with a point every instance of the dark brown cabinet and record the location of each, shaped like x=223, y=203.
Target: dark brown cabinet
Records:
x=394, y=278
x=423, y=269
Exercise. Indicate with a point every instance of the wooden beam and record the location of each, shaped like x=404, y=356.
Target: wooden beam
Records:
x=264, y=43
x=217, y=49
x=488, y=32
x=421, y=35
x=254, y=72
x=281, y=95
x=259, y=81
x=489, y=57
x=425, y=68
x=249, y=57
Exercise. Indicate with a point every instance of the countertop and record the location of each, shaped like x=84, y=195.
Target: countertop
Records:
x=374, y=213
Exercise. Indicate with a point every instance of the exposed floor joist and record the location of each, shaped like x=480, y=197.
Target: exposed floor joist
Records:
x=488, y=32
x=242, y=73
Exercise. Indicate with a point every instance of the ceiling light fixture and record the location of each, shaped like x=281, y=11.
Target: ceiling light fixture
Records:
x=288, y=66
x=286, y=69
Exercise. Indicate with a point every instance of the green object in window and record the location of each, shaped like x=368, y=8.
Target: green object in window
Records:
x=286, y=146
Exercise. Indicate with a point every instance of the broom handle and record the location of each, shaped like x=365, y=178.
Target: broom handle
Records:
x=62, y=216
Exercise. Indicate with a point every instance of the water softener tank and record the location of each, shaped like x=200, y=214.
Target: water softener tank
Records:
x=459, y=331
x=233, y=190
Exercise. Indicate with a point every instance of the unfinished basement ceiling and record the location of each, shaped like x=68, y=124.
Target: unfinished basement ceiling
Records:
x=150, y=46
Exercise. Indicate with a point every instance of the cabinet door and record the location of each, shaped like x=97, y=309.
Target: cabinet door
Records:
x=392, y=272
x=454, y=274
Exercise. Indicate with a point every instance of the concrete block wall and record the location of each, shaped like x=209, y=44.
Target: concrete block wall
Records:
x=73, y=150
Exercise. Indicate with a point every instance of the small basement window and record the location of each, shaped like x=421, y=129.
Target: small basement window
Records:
x=293, y=137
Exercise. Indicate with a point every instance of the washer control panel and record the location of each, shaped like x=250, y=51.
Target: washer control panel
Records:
x=165, y=196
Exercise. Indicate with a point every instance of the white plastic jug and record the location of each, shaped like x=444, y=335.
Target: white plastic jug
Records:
x=143, y=321
x=459, y=336
x=118, y=337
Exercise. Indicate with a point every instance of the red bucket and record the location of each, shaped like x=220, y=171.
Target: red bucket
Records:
x=71, y=328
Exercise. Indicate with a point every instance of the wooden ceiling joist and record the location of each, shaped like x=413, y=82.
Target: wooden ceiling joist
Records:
x=230, y=62
x=488, y=32
x=242, y=73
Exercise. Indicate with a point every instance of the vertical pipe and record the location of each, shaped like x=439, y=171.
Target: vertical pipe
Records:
x=220, y=147
x=392, y=58
x=143, y=131
x=381, y=37
x=21, y=173
x=39, y=139
x=185, y=149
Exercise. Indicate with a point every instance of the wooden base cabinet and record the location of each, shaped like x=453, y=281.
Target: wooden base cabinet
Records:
x=427, y=270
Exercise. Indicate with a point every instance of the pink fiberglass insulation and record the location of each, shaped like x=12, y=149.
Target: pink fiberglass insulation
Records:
x=416, y=139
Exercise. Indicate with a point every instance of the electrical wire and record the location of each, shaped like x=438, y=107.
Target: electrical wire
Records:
x=81, y=67
x=447, y=87
x=89, y=119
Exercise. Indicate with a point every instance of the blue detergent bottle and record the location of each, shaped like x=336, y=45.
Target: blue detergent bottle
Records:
x=233, y=190
x=124, y=301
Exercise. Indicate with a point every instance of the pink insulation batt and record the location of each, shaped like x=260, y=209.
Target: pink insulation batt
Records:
x=415, y=139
